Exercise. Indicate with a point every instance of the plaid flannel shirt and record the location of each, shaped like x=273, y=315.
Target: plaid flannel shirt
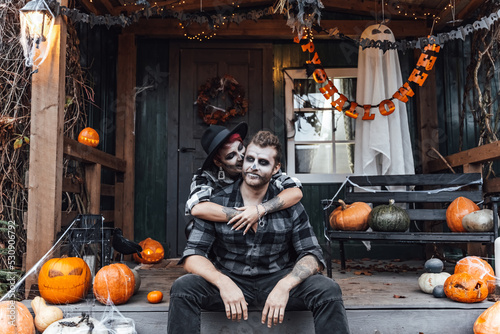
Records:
x=205, y=183
x=284, y=237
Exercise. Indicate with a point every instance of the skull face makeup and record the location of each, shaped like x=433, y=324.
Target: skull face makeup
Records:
x=230, y=158
x=259, y=165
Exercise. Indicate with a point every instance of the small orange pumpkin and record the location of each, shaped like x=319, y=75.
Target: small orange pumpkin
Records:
x=489, y=321
x=465, y=288
x=114, y=284
x=152, y=251
x=89, y=137
x=21, y=324
x=457, y=210
x=350, y=217
x=64, y=280
x=155, y=297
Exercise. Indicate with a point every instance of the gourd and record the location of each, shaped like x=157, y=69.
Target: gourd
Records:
x=350, y=217
x=77, y=325
x=438, y=291
x=428, y=281
x=89, y=137
x=389, y=218
x=152, y=251
x=478, y=221
x=64, y=280
x=137, y=278
x=433, y=265
x=45, y=315
x=457, y=210
x=114, y=284
x=465, y=288
x=488, y=322
x=476, y=267
x=23, y=323
x=155, y=297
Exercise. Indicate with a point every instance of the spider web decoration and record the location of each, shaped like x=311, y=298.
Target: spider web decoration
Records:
x=302, y=14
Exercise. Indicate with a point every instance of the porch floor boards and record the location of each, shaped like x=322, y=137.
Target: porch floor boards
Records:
x=380, y=297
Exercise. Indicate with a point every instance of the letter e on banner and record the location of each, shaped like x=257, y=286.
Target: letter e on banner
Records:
x=328, y=90
x=418, y=77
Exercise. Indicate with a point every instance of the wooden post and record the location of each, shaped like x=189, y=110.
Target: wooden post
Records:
x=46, y=149
x=125, y=133
x=93, y=183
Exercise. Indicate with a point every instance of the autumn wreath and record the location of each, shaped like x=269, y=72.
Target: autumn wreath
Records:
x=227, y=86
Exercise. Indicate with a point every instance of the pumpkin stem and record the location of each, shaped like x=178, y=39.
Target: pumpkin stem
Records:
x=391, y=202
x=344, y=206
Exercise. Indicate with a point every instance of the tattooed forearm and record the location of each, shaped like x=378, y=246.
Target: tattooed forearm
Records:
x=229, y=212
x=274, y=204
x=305, y=267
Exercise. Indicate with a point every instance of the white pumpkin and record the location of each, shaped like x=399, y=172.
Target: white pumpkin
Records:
x=428, y=281
x=478, y=221
x=77, y=325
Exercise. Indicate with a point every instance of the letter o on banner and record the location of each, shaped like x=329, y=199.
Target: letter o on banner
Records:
x=386, y=107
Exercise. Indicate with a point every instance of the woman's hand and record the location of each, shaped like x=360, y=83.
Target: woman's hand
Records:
x=247, y=218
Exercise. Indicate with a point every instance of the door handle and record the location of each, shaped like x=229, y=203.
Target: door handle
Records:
x=186, y=149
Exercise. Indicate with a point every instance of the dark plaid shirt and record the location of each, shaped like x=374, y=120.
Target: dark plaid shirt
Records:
x=205, y=183
x=283, y=238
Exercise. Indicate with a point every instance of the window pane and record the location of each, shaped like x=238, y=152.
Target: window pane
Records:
x=311, y=126
x=344, y=126
x=317, y=159
x=344, y=158
x=306, y=94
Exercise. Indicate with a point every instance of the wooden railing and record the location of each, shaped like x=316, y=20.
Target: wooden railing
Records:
x=472, y=161
x=93, y=160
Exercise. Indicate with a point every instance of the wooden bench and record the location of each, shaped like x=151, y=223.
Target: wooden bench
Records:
x=417, y=193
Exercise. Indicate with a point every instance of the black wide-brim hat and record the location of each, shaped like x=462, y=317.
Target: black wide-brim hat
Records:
x=215, y=136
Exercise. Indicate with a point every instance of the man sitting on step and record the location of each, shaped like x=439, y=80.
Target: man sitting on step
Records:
x=275, y=266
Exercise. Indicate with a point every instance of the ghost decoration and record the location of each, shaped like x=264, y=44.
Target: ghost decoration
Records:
x=383, y=145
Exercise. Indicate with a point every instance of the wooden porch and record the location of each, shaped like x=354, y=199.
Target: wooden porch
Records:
x=380, y=296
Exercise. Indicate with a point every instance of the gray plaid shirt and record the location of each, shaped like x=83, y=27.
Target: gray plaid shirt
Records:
x=282, y=238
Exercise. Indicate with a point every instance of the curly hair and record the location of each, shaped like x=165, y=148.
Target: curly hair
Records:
x=265, y=139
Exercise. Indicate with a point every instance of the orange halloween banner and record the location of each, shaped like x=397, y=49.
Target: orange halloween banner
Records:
x=386, y=107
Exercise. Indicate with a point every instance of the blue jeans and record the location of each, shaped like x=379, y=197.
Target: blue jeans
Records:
x=319, y=294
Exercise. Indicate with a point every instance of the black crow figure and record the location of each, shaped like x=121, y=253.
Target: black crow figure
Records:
x=123, y=245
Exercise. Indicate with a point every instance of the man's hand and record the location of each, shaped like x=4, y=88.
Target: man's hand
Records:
x=274, y=309
x=246, y=218
x=234, y=301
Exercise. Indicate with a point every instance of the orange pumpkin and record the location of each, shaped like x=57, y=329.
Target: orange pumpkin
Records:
x=155, y=297
x=457, y=210
x=350, y=217
x=22, y=323
x=476, y=267
x=64, y=280
x=152, y=251
x=489, y=321
x=114, y=284
x=465, y=288
x=89, y=137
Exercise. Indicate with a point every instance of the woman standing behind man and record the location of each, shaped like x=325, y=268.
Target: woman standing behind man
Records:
x=222, y=167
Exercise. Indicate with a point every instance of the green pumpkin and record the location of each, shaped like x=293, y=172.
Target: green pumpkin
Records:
x=389, y=218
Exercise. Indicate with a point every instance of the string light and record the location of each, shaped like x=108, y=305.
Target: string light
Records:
x=202, y=36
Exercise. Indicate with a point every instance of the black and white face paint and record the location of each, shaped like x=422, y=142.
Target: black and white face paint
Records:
x=230, y=158
x=259, y=165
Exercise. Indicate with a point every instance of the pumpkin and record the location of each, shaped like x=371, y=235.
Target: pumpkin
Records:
x=114, y=284
x=350, y=217
x=476, y=267
x=465, y=288
x=459, y=208
x=45, y=315
x=15, y=318
x=488, y=322
x=155, y=297
x=89, y=137
x=434, y=265
x=64, y=280
x=428, y=281
x=438, y=291
x=77, y=325
x=152, y=251
x=478, y=221
x=389, y=218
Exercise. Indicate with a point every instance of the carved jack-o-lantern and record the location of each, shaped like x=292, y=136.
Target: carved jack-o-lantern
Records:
x=152, y=251
x=89, y=137
x=15, y=318
x=64, y=280
x=465, y=288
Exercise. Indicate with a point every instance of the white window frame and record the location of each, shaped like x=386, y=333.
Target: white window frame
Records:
x=290, y=75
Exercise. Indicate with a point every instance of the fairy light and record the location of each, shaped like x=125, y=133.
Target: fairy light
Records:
x=202, y=36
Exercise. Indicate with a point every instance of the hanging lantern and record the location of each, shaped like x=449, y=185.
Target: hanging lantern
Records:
x=37, y=21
